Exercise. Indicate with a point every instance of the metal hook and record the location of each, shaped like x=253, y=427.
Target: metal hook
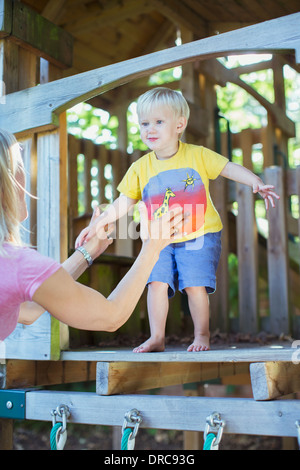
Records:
x=214, y=424
x=132, y=419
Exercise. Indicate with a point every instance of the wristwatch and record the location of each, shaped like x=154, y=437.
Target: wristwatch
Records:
x=86, y=255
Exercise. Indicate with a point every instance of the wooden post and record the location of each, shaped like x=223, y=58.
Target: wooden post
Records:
x=277, y=257
x=6, y=434
x=247, y=260
x=220, y=300
x=246, y=145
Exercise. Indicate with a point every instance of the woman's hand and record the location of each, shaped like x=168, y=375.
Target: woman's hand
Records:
x=101, y=239
x=164, y=230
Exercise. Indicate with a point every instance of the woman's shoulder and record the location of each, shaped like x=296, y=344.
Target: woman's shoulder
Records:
x=28, y=254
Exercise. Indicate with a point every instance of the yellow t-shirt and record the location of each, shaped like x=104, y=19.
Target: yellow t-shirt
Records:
x=182, y=179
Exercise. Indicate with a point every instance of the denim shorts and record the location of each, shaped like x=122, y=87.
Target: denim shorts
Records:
x=189, y=264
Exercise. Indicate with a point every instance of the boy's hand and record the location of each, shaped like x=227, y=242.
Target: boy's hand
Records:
x=267, y=193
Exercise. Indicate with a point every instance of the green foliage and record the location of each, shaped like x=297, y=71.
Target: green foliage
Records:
x=243, y=111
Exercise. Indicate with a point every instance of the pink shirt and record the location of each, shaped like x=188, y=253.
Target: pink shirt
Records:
x=21, y=273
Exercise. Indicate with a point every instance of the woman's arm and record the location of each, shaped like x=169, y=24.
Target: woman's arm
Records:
x=241, y=174
x=82, y=307
x=75, y=265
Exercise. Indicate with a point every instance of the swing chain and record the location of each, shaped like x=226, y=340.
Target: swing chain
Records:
x=133, y=420
x=214, y=424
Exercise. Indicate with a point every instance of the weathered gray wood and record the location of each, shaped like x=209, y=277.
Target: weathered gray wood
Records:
x=274, y=379
x=26, y=155
x=39, y=106
x=242, y=416
x=224, y=354
x=278, y=269
x=40, y=341
x=248, y=262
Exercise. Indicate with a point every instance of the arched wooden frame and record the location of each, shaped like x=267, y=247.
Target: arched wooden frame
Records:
x=39, y=107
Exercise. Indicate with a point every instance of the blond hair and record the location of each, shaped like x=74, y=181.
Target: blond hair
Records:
x=10, y=163
x=162, y=96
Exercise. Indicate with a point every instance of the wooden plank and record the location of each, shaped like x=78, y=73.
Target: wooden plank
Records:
x=41, y=340
x=278, y=269
x=24, y=374
x=246, y=146
x=38, y=106
x=6, y=434
x=274, y=379
x=5, y=18
x=242, y=416
x=233, y=354
x=122, y=377
x=9, y=68
x=48, y=221
x=88, y=151
x=53, y=9
x=44, y=38
x=63, y=211
x=247, y=260
x=297, y=171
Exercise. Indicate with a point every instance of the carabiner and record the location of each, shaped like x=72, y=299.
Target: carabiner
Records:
x=214, y=424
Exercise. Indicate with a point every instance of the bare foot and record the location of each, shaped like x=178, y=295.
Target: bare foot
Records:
x=150, y=345
x=201, y=343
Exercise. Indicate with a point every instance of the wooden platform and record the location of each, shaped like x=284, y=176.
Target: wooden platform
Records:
x=272, y=370
x=241, y=352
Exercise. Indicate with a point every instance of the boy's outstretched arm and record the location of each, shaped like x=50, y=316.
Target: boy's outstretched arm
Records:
x=113, y=212
x=241, y=174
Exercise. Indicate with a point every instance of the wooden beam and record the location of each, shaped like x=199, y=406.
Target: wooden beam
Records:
x=6, y=15
x=274, y=379
x=242, y=416
x=53, y=9
x=24, y=374
x=221, y=75
x=123, y=377
x=248, y=263
x=6, y=434
x=235, y=354
x=40, y=106
x=112, y=14
x=181, y=15
x=278, y=267
x=27, y=28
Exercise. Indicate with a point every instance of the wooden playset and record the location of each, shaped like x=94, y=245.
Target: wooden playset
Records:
x=41, y=354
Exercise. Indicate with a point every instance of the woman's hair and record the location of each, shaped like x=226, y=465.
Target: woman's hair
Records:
x=10, y=163
x=161, y=96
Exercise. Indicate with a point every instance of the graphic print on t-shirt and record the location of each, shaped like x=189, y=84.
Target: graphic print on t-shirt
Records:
x=171, y=188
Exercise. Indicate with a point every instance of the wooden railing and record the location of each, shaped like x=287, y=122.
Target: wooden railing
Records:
x=271, y=260
x=268, y=287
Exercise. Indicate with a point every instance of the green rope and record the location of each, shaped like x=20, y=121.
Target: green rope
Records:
x=53, y=435
x=208, y=441
x=125, y=438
